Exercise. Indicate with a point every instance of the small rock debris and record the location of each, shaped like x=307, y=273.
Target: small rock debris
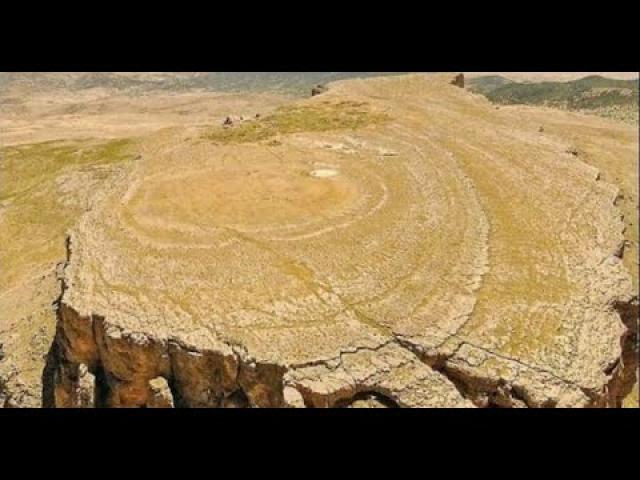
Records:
x=573, y=151
x=318, y=89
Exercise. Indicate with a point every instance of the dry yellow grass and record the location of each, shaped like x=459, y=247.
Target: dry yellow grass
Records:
x=316, y=117
x=458, y=228
x=447, y=233
x=58, y=151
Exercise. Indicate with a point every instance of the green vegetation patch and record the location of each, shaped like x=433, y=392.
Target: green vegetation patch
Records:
x=487, y=84
x=294, y=119
x=33, y=220
x=26, y=166
x=589, y=93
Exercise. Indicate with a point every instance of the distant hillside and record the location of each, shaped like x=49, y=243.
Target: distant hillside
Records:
x=295, y=83
x=487, y=84
x=593, y=94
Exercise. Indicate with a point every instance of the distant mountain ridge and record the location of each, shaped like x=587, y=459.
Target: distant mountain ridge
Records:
x=595, y=94
x=295, y=83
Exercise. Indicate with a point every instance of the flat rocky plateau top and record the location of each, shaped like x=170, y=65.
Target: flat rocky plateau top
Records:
x=393, y=241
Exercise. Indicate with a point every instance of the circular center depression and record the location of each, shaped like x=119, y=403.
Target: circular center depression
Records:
x=241, y=196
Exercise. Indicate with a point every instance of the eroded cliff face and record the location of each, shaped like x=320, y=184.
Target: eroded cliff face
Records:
x=352, y=250
x=102, y=367
x=625, y=371
x=59, y=149
x=97, y=365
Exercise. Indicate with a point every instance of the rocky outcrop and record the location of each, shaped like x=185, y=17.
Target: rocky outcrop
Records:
x=100, y=365
x=371, y=400
x=125, y=370
x=3, y=393
x=458, y=81
x=624, y=372
x=318, y=90
x=75, y=386
x=160, y=395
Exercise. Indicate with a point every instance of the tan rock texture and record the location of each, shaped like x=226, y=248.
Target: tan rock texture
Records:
x=58, y=150
x=455, y=256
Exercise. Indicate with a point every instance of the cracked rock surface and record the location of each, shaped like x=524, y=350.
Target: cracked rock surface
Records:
x=453, y=257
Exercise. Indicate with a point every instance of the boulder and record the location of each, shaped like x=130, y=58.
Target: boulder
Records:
x=160, y=394
x=318, y=89
x=458, y=81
